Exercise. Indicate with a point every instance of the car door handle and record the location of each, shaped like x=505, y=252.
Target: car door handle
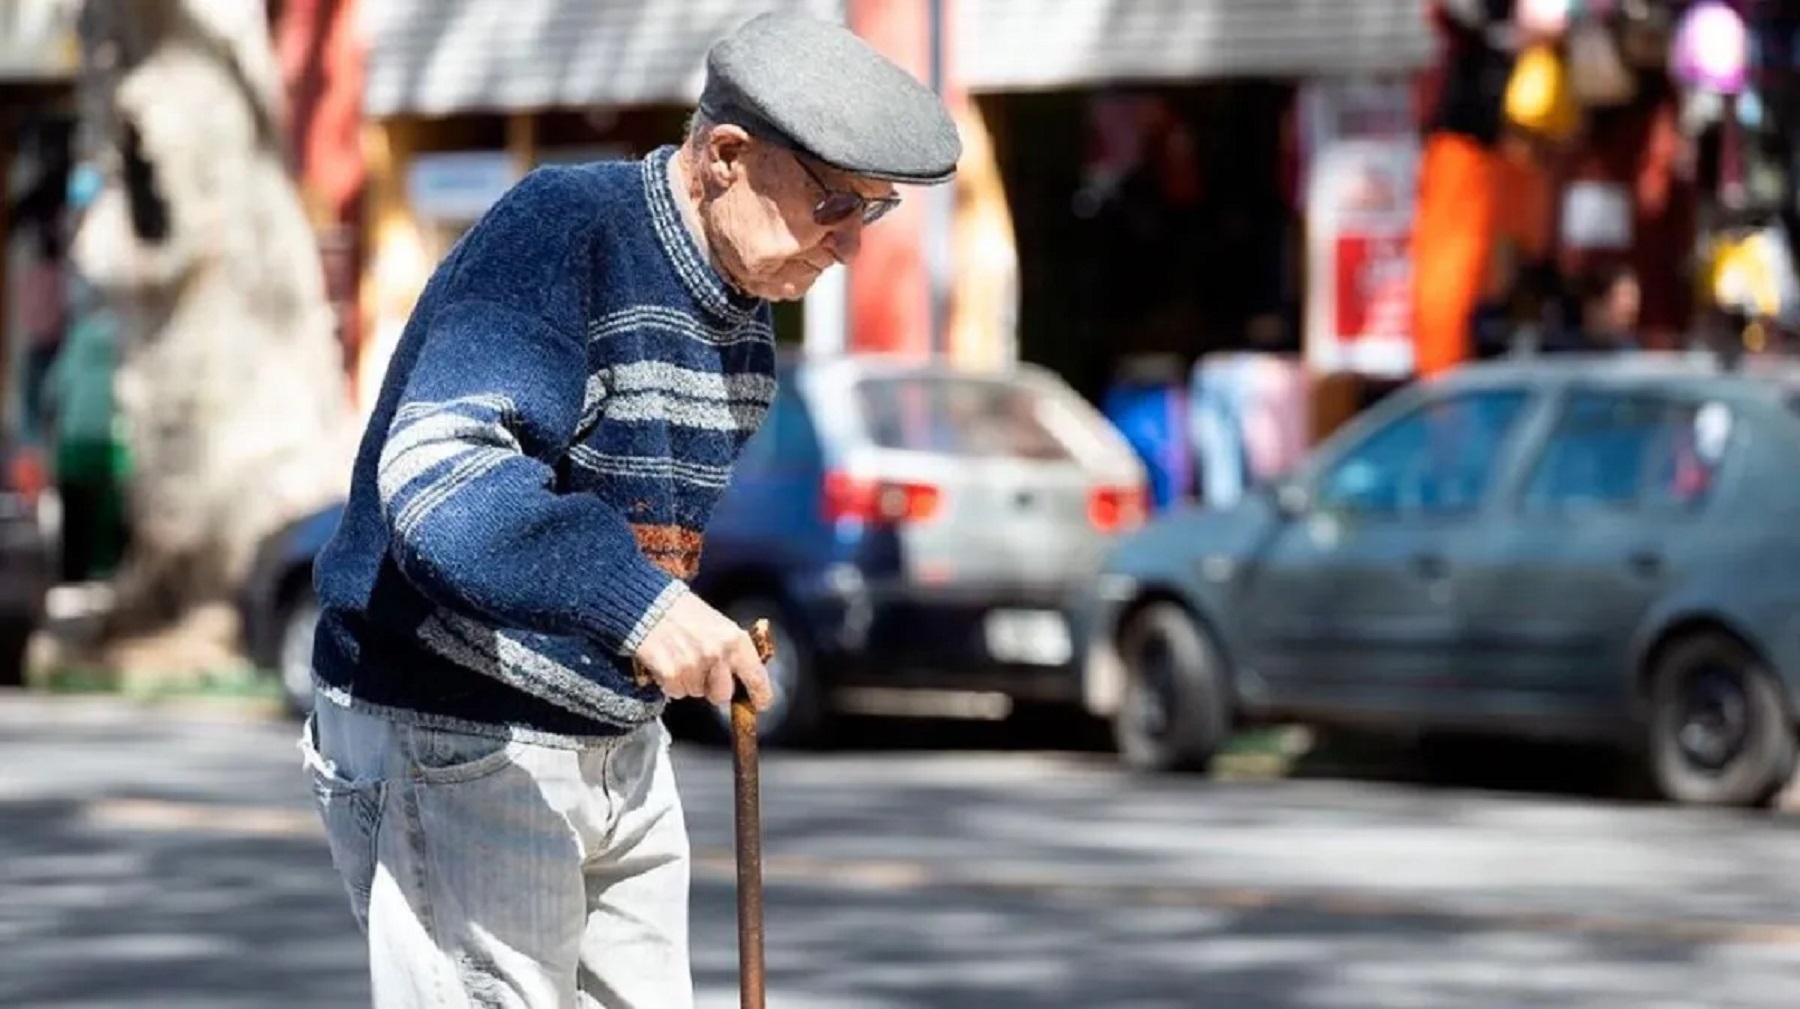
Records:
x=1646, y=562
x=1430, y=566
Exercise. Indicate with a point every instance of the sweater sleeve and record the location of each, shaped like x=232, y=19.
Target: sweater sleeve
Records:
x=492, y=399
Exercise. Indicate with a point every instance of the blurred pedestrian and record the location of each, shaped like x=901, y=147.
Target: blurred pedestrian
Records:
x=81, y=416
x=1610, y=299
x=560, y=416
x=78, y=395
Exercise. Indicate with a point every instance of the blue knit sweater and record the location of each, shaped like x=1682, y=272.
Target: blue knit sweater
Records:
x=562, y=412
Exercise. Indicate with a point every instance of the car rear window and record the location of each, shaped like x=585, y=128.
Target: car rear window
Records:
x=960, y=416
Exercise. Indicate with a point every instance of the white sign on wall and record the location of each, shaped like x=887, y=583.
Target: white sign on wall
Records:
x=458, y=186
x=1362, y=165
x=1359, y=212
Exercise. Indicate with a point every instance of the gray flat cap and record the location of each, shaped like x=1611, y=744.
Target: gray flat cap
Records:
x=818, y=87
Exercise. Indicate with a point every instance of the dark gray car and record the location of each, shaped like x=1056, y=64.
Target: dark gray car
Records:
x=1593, y=549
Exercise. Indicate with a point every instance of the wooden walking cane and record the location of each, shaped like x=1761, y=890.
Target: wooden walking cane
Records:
x=747, y=786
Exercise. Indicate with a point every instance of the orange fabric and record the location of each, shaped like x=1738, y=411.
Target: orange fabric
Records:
x=1452, y=235
x=1526, y=204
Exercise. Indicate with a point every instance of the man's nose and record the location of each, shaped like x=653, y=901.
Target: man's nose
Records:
x=846, y=239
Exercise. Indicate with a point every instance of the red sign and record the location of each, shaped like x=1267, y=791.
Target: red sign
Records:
x=1370, y=285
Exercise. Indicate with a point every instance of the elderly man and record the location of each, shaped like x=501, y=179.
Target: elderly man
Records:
x=504, y=604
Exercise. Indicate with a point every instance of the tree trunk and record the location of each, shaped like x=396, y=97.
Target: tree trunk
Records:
x=231, y=385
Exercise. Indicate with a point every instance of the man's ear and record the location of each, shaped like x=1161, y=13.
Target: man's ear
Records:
x=726, y=147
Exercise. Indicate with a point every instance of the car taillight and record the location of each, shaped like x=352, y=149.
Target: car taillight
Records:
x=878, y=502
x=25, y=475
x=1116, y=509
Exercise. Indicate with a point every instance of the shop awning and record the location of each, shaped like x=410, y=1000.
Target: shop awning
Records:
x=1016, y=45
x=436, y=57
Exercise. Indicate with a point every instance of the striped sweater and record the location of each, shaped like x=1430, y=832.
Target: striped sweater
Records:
x=561, y=414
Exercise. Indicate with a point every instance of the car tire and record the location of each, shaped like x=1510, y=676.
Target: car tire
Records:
x=797, y=716
x=296, y=620
x=1720, y=732
x=1176, y=712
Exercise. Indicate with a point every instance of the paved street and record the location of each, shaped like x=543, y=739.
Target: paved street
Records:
x=170, y=859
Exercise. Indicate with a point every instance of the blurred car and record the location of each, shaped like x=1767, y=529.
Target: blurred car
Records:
x=1578, y=548
x=902, y=526
x=278, y=608
x=27, y=556
x=910, y=529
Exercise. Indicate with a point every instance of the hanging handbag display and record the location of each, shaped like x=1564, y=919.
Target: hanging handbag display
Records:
x=1538, y=97
x=1598, y=75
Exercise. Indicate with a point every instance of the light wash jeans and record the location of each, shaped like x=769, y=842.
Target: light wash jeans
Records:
x=508, y=874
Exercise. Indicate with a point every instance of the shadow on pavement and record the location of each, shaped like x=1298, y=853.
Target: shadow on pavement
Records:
x=1496, y=765
x=939, y=951
x=188, y=919
x=1035, y=882
x=211, y=922
x=1027, y=730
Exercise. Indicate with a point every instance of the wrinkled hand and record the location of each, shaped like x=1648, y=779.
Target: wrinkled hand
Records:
x=696, y=651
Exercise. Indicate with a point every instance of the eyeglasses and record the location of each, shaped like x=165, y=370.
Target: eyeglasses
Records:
x=838, y=204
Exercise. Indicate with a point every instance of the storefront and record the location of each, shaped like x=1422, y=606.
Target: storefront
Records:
x=1133, y=178
x=1153, y=161
x=1156, y=161
x=1619, y=176
x=462, y=97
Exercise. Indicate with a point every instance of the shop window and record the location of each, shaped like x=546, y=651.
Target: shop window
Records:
x=1437, y=460
x=1629, y=451
x=959, y=416
x=1150, y=220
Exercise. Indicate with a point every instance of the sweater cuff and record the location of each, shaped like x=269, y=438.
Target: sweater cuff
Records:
x=650, y=603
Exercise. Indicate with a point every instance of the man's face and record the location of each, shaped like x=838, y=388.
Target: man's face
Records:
x=1623, y=302
x=774, y=221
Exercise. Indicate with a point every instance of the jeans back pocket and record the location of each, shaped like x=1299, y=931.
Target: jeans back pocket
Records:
x=351, y=813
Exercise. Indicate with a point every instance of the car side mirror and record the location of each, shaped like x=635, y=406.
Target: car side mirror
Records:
x=1292, y=499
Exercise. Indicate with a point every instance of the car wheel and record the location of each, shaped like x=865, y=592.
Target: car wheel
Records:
x=1720, y=734
x=298, y=620
x=1175, y=713
x=797, y=715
